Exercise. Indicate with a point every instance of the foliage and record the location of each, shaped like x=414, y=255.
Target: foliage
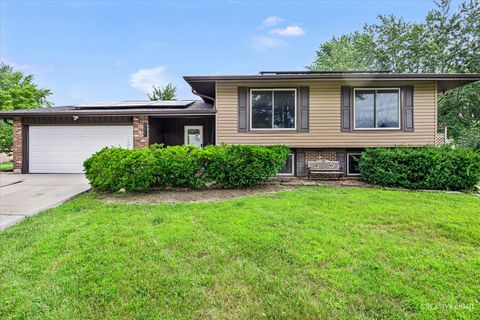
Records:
x=310, y=253
x=460, y=110
x=469, y=138
x=446, y=41
x=6, y=137
x=112, y=169
x=180, y=166
x=421, y=168
x=166, y=93
x=17, y=91
x=244, y=165
x=345, y=53
x=6, y=166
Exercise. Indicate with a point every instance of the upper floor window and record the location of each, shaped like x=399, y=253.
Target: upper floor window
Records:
x=273, y=108
x=377, y=108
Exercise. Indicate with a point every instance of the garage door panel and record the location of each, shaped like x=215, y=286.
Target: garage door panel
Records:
x=63, y=149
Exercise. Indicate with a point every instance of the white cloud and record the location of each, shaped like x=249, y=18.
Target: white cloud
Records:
x=144, y=79
x=290, y=31
x=271, y=21
x=263, y=42
x=118, y=63
x=27, y=68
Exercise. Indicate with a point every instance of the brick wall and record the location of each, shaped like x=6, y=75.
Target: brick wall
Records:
x=323, y=153
x=139, y=139
x=17, y=145
x=312, y=154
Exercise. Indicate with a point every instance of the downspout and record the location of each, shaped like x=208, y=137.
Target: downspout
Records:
x=203, y=96
x=214, y=106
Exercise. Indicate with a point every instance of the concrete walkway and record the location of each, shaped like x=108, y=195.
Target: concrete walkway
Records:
x=24, y=195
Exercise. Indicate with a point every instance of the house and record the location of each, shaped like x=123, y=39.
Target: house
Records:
x=320, y=115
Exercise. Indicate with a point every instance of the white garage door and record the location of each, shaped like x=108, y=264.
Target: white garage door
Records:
x=62, y=149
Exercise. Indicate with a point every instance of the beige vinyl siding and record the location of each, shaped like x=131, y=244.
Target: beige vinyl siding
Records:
x=324, y=109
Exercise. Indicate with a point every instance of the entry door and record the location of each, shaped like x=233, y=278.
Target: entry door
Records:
x=194, y=136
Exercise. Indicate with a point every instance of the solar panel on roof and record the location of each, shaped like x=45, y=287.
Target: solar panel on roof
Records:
x=135, y=104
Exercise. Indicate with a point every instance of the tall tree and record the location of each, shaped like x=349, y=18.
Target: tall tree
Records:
x=17, y=91
x=346, y=53
x=391, y=42
x=166, y=93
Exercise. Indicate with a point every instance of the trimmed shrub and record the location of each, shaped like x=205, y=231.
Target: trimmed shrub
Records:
x=179, y=166
x=433, y=168
x=112, y=169
x=244, y=165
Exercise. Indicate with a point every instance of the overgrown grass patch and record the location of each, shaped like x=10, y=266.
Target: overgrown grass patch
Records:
x=331, y=253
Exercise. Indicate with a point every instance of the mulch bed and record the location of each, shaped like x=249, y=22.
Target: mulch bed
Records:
x=188, y=195
x=207, y=195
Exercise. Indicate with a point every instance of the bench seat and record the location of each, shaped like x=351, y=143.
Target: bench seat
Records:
x=325, y=167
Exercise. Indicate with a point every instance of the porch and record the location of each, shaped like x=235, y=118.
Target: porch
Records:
x=174, y=131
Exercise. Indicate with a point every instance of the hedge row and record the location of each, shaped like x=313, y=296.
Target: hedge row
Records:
x=113, y=169
x=432, y=168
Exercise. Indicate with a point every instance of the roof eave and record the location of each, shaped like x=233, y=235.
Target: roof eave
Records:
x=359, y=76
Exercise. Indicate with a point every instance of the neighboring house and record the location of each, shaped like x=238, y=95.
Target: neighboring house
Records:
x=319, y=115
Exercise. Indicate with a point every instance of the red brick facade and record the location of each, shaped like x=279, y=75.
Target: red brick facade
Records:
x=140, y=139
x=17, y=145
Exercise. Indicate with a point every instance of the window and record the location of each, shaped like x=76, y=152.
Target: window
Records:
x=352, y=164
x=377, y=108
x=288, y=167
x=273, y=109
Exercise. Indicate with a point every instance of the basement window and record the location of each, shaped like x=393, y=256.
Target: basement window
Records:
x=352, y=164
x=288, y=168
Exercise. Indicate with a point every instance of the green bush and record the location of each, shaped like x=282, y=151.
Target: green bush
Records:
x=244, y=165
x=433, y=168
x=112, y=169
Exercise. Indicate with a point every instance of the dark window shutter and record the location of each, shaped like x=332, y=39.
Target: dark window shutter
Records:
x=346, y=108
x=301, y=164
x=342, y=159
x=242, y=109
x=408, y=108
x=304, y=93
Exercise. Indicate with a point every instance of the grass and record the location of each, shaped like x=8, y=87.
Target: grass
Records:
x=6, y=166
x=325, y=253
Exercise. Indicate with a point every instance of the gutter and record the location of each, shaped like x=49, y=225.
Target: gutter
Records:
x=6, y=115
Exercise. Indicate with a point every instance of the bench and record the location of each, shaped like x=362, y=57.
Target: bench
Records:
x=325, y=167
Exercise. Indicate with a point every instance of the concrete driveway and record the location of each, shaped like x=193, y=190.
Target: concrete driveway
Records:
x=24, y=195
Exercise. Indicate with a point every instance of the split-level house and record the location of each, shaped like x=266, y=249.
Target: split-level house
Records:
x=319, y=115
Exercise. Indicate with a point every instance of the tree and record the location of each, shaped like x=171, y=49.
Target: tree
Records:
x=166, y=93
x=446, y=42
x=17, y=91
x=346, y=53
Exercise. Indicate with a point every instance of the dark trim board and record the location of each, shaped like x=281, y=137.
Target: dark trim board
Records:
x=25, y=148
x=77, y=120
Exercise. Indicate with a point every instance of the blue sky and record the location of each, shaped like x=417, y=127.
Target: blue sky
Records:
x=87, y=51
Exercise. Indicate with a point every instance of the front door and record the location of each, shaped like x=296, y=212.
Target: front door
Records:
x=194, y=136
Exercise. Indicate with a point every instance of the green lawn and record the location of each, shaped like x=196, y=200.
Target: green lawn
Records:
x=326, y=253
x=6, y=166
